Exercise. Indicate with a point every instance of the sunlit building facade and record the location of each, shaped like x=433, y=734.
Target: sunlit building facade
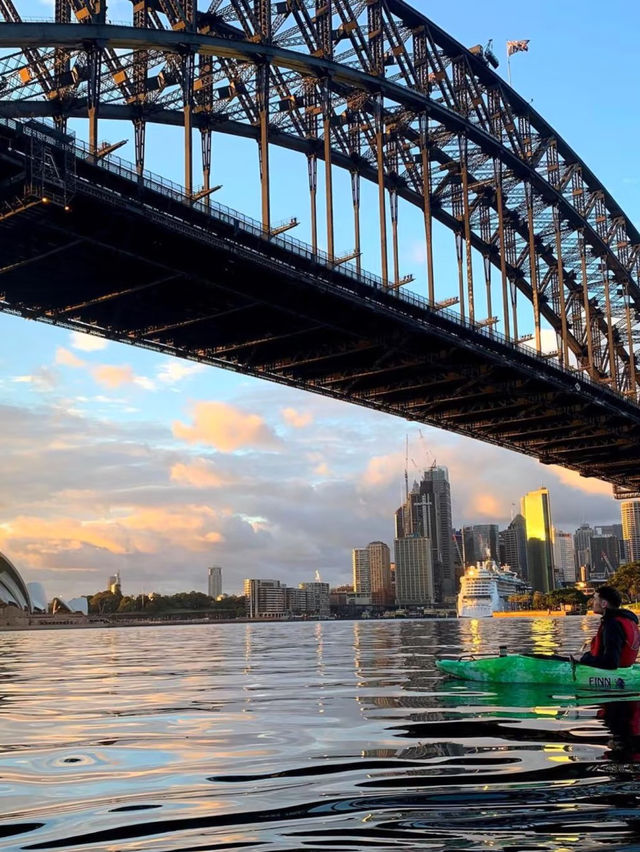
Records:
x=414, y=571
x=372, y=573
x=630, y=510
x=536, y=509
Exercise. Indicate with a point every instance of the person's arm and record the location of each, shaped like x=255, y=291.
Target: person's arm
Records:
x=612, y=644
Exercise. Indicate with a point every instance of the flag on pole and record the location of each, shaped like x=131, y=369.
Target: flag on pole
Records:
x=517, y=46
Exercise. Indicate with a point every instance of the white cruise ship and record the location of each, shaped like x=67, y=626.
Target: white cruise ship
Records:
x=485, y=589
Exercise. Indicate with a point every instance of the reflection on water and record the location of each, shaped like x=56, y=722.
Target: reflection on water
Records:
x=327, y=735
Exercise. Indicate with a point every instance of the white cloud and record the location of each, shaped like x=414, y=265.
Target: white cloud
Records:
x=174, y=371
x=87, y=342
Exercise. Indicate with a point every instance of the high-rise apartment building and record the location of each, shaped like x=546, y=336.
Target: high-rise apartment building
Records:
x=536, y=509
x=414, y=571
x=426, y=513
x=564, y=557
x=361, y=571
x=513, y=546
x=317, y=595
x=214, y=587
x=630, y=511
x=265, y=598
x=114, y=585
x=372, y=573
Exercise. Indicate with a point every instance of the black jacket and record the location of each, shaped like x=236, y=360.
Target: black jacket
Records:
x=613, y=639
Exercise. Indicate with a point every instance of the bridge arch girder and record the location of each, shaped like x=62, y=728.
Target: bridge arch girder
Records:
x=597, y=230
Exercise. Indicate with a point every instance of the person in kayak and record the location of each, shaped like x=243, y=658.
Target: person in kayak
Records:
x=617, y=641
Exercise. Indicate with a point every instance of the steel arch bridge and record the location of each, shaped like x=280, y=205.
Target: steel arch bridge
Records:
x=373, y=87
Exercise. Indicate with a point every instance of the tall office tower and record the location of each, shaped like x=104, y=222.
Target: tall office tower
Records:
x=536, y=509
x=414, y=571
x=513, y=546
x=215, y=582
x=265, y=598
x=604, y=556
x=616, y=531
x=372, y=573
x=630, y=510
x=481, y=542
x=582, y=548
x=564, y=557
x=426, y=513
x=114, y=585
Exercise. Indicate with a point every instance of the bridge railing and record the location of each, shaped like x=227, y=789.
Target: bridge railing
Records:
x=164, y=186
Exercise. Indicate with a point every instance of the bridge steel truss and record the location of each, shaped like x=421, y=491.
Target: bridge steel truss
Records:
x=377, y=89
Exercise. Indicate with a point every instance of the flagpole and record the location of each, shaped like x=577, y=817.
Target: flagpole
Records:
x=509, y=67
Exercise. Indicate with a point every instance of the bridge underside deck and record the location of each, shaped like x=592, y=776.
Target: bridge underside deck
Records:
x=145, y=269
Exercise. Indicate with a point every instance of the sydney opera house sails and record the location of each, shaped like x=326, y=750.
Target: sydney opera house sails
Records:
x=13, y=590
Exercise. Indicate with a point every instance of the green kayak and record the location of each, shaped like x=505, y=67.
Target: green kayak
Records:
x=537, y=668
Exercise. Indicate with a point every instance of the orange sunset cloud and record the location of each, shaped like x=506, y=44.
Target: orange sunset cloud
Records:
x=226, y=428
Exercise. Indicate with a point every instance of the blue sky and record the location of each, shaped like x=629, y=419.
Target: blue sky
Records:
x=122, y=459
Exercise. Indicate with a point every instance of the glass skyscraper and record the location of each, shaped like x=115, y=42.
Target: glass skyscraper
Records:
x=426, y=513
x=536, y=509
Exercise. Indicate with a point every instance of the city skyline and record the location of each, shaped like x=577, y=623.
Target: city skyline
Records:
x=121, y=460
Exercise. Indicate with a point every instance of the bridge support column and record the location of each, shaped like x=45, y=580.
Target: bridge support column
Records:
x=381, y=184
x=393, y=207
x=328, y=176
x=312, y=168
x=611, y=344
x=205, y=145
x=355, y=196
x=188, y=71
x=426, y=194
x=632, y=357
x=467, y=224
x=94, y=57
x=587, y=305
x=263, y=143
x=564, y=351
x=533, y=269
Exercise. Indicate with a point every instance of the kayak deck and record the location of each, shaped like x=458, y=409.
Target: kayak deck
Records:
x=521, y=668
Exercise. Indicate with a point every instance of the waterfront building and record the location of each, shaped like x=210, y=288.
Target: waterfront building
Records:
x=265, y=598
x=582, y=549
x=536, y=509
x=38, y=596
x=630, y=511
x=372, y=573
x=214, y=585
x=317, y=597
x=564, y=557
x=415, y=584
x=426, y=513
x=513, y=546
x=13, y=589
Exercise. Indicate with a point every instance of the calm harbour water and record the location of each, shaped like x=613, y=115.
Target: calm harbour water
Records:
x=306, y=736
